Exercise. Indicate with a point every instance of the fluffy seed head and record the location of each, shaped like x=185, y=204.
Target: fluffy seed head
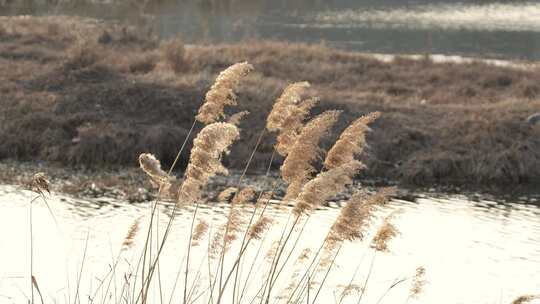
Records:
x=418, y=282
x=285, y=104
x=243, y=196
x=385, y=233
x=304, y=255
x=226, y=195
x=324, y=186
x=222, y=92
x=257, y=229
x=204, y=162
x=351, y=142
x=132, y=233
x=525, y=299
x=216, y=245
x=292, y=125
x=40, y=183
x=152, y=167
x=355, y=217
x=199, y=232
x=264, y=197
x=236, y=118
x=234, y=225
x=349, y=290
x=298, y=166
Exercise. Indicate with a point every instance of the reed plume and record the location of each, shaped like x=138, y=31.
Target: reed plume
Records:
x=350, y=289
x=226, y=195
x=204, y=162
x=292, y=125
x=199, y=232
x=216, y=245
x=235, y=221
x=324, y=186
x=418, y=282
x=236, y=118
x=351, y=142
x=222, y=92
x=525, y=299
x=354, y=218
x=168, y=185
x=132, y=233
x=259, y=227
x=265, y=197
x=298, y=166
x=40, y=183
x=243, y=196
x=152, y=167
x=285, y=104
x=386, y=232
x=304, y=255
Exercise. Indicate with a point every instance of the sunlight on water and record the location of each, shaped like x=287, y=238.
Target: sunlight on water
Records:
x=488, y=17
x=473, y=251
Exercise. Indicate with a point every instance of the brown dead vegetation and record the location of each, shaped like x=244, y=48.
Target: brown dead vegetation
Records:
x=85, y=93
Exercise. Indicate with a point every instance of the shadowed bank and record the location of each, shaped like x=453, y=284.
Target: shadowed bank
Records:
x=86, y=93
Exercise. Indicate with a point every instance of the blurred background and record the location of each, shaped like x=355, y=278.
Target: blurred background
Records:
x=494, y=29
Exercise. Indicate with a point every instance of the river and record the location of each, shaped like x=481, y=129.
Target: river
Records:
x=473, y=250
x=486, y=29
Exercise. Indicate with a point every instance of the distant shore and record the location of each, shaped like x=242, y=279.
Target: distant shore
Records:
x=88, y=94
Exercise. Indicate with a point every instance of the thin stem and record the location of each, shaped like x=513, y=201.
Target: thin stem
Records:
x=396, y=282
x=82, y=267
x=189, y=250
x=227, y=227
x=251, y=268
x=148, y=279
x=326, y=274
x=279, y=256
x=31, y=252
x=268, y=279
x=367, y=278
x=290, y=252
x=342, y=296
x=308, y=270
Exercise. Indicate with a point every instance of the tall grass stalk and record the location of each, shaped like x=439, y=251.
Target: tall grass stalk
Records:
x=31, y=250
x=189, y=245
x=364, y=286
x=307, y=189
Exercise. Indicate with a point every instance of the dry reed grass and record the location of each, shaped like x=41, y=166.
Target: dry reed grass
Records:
x=213, y=140
x=386, y=232
x=298, y=165
x=351, y=142
x=355, y=217
x=301, y=145
x=174, y=55
x=525, y=299
x=324, y=186
x=222, y=92
x=419, y=282
x=129, y=240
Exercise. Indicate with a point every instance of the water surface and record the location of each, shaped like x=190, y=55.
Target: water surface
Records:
x=473, y=251
x=509, y=29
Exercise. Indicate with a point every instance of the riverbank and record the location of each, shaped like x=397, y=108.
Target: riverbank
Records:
x=87, y=94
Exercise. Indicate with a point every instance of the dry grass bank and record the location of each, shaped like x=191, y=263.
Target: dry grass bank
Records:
x=81, y=92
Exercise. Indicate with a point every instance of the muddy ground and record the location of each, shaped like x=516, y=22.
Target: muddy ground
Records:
x=88, y=95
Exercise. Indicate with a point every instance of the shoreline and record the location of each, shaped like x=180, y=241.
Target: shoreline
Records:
x=133, y=186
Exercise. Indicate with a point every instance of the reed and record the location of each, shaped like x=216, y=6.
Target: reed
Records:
x=247, y=219
x=525, y=299
x=298, y=166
